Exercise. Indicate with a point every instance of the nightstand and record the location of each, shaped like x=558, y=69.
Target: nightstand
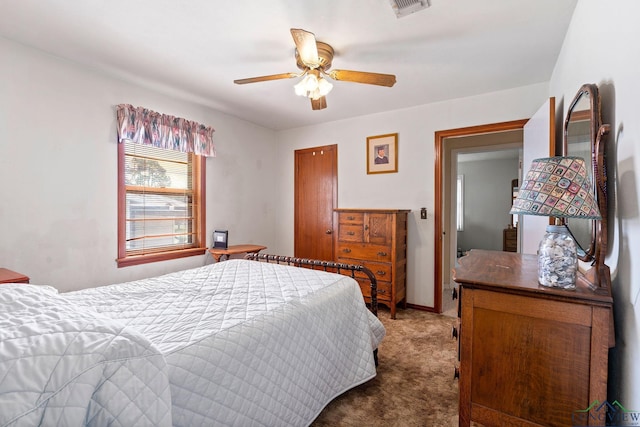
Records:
x=220, y=253
x=8, y=276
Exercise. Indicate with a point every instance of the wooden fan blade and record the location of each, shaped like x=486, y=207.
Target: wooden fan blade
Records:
x=266, y=78
x=363, y=77
x=319, y=104
x=307, y=47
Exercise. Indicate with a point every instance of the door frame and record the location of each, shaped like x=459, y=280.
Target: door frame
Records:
x=440, y=137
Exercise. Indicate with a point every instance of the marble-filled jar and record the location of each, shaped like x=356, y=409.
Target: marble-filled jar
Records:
x=557, y=258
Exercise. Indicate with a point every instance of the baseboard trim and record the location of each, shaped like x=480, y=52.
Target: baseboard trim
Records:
x=422, y=307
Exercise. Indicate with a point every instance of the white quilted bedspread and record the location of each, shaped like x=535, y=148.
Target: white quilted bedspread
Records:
x=249, y=343
x=62, y=365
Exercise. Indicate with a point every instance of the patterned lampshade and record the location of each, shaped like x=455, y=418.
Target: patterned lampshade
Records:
x=557, y=187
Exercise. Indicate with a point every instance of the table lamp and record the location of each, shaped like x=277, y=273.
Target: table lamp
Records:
x=558, y=187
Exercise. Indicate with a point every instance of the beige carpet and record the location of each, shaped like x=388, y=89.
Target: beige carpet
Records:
x=414, y=385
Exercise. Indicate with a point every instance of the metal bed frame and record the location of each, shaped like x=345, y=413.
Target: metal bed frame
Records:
x=326, y=266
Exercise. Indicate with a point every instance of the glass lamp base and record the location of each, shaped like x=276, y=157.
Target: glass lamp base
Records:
x=557, y=259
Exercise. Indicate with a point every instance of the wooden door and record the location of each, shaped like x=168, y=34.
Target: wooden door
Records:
x=539, y=141
x=316, y=194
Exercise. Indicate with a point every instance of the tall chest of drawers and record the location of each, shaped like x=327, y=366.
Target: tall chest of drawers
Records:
x=377, y=239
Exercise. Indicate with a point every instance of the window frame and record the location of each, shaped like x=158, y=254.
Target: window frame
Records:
x=199, y=194
x=460, y=203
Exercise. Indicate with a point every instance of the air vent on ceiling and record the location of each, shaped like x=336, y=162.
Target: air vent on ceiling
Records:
x=407, y=7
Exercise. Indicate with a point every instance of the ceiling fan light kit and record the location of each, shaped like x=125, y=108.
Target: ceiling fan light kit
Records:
x=313, y=86
x=314, y=59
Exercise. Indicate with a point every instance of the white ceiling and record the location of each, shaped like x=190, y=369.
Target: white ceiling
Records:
x=194, y=49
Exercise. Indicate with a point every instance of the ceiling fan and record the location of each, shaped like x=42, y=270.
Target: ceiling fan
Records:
x=314, y=59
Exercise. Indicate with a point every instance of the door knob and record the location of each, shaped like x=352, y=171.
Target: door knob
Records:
x=328, y=232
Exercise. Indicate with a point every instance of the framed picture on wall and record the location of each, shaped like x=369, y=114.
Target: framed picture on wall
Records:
x=382, y=153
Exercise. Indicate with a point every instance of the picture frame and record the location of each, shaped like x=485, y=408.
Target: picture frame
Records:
x=382, y=153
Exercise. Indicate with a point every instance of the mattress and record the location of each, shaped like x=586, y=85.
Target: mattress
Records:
x=64, y=365
x=249, y=343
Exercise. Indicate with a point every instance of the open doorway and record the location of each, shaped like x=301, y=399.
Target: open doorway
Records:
x=484, y=195
x=448, y=144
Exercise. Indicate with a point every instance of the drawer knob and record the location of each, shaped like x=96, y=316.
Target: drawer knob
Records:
x=454, y=294
x=382, y=253
x=456, y=373
x=346, y=250
x=381, y=273
x=351, y=233
x=351, y=218
x=382, y=291
x=454, y=332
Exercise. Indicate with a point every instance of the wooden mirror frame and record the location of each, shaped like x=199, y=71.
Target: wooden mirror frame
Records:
x=597, y=247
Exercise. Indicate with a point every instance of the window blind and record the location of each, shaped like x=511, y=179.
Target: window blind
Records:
x=160, y=201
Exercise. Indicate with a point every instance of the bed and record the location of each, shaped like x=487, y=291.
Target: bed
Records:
x=238, y=342
x=62, y=365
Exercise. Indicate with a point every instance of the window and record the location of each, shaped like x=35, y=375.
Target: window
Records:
x=161, y=204
x=460, y=203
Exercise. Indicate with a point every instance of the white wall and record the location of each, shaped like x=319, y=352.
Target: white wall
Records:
x=602, y=47
x=58, y=172
x=487, y=201
x=412, y=187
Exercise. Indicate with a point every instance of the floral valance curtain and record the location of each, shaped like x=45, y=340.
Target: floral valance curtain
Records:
x=143, y=126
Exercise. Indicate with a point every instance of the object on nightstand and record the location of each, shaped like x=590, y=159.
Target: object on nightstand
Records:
x=220, y=239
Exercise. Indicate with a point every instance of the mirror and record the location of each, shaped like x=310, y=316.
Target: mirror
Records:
x=582, y=137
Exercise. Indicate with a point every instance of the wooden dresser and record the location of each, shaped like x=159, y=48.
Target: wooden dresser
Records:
x=510, y=239
x=9, y=276
x=376, y=238
x=529, y=355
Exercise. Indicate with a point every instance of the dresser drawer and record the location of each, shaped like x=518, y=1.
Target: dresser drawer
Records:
x=381, y=253
x=384, y=289
x=350, y=233
x=382, y=271
x=510, y=246
x=351, y=218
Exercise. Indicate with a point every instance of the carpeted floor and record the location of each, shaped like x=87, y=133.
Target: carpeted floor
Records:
x=414, y=385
